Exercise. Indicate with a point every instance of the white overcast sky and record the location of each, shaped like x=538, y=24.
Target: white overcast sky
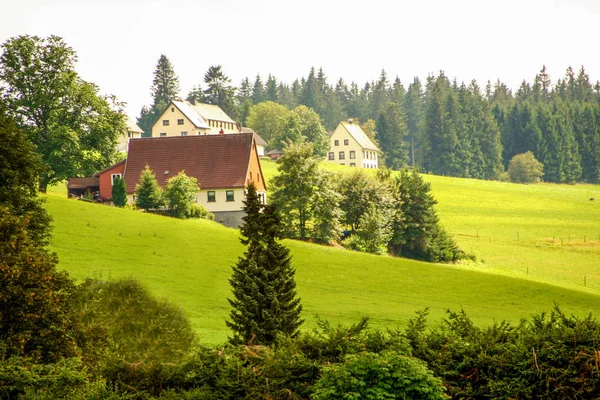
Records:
x=118, y=42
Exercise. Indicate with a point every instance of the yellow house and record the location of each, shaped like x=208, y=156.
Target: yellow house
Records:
x=131, y=131
x=351, y=146
x=182, y=118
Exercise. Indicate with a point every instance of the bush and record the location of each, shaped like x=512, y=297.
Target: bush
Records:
x=378, y=376
x=199, y=211
x=180, y=193
x=119, y=192
x=524, y=168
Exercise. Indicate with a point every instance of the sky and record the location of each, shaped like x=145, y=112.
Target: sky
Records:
x=118, y=42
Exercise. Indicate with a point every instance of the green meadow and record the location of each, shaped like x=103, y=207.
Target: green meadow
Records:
x=189, y=262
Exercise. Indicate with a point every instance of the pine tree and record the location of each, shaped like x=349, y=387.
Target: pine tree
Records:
x=148, y=195
x=258, y=91
x=271, y=89
x=391, y=135
x=264, y=303
x=119, y=192
x=165, y=85
x=219, y=90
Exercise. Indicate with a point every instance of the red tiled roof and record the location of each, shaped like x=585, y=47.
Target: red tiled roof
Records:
x=217, y=161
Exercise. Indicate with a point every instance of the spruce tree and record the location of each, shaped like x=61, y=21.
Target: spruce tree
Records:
x=148, y=195
x=119, y=192
x=264, y=303
x=165, y=85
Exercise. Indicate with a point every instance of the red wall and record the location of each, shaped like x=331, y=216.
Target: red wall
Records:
x=105, y=180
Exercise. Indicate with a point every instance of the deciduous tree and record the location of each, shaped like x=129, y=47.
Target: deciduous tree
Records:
x=180, y=193
x=72, y=127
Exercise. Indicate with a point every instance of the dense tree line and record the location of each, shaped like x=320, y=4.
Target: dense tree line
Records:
x=442, y=126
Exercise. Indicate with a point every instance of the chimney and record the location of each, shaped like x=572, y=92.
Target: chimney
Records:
x=350, y=121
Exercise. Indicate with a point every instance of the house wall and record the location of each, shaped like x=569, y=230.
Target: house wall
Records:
x=123, y=140
x=255, y=173
x=363, y=158
x=172, y=114
x=105, y=180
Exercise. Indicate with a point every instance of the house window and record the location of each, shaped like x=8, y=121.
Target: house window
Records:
x=345, y=142
x=113, y=177
x=229, y=195
x=165, y=122
x=163, y=134
x=172, y=109
x=184, y=133
x=211, y=196
x=342, y=155
x=353, y=164
x=180, y=121
x=128, y=134
x=331, y=155
x=336, y=142
x=352, y=155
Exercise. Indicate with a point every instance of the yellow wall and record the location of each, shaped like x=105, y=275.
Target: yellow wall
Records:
x=172, y=114
x=363, y=158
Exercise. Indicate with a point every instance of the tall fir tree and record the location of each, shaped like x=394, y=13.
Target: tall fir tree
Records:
x=165, y=84
x=264, y=303
x=219, y=90
x=119, y=192
x=391, y=134
x=258, y=91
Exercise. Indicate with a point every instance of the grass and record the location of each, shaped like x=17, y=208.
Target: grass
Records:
x=189, y=262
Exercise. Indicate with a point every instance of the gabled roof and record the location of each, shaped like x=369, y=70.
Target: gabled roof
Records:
x=97, y=174
x=259, y=141
x=132, y=126
x=217, y=161
x=360, y=136
x=211, y=111
x=191, y=114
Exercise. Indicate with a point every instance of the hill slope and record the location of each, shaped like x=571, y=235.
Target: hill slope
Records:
x=189, y=263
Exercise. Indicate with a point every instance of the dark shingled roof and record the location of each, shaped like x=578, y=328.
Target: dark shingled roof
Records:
x=217, y=161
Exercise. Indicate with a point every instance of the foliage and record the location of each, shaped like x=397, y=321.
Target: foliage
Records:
x=131, y=336
x=71, y=126
x=359, y=191
x=180, y=193
x=219, y=90
x=263, y=283
x=268, y=119
x=165, y=83
x=119, y=192
x=524, y=168
x=378, y=376
x=20, y=168
x=297, y=190
x=374, y=232
x=416, y=230
x=303, y=124
x=546, y=356
x=148, y=194
x=34, y=296
x=325, y=210
x=67, y=379
x=391, y=134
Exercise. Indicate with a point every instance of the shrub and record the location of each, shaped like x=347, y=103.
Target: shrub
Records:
x=180, y=193
x=524, y=168
x=388, y=375
x=199, y=211
x=119, y=192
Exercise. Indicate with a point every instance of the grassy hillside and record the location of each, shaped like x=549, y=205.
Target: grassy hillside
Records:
x=189, y=263
x=517, y=229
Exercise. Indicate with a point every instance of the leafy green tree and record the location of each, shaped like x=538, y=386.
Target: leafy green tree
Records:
x=72, y=127
x=391, y=135
x=268, y=120
x=359, y=191
x=165, y=84
x=388, y=375
x=373, y=233
x=20, y=168
x=303, y=124
x=524, y=168
x=180, y=194
x=296, y=189
x=34, y=296
x=119, y=192
x=219, y=90
x=148, y=194
x=326, y=212
x=264, y=303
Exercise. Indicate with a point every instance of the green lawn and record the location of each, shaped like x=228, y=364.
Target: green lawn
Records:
x=189, y=262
